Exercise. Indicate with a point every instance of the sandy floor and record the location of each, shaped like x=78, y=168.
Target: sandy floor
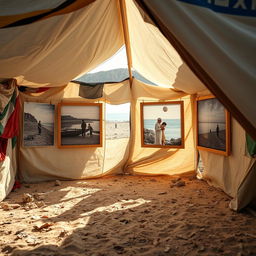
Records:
x=125, y=215
x=117, y=130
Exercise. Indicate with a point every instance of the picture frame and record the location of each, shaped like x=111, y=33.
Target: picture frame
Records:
x=38, y=124
x=172, y=114
x=79, y=125
x=213, y=126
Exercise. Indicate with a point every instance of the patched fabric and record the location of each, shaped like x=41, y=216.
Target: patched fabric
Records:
x=91, y=91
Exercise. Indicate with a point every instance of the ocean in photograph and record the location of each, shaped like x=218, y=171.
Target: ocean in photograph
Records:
x=172, y=130
x=94, y=124
x=48, y=126
x=207, y=127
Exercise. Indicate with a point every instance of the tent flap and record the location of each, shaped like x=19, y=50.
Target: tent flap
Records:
x=212, y=53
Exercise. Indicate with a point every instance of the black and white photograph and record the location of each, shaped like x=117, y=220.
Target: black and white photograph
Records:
x=79, y=124
x=212, y=123
x=38, y=124
x=162, y=124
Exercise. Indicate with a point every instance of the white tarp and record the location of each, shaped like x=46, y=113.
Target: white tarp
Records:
x=221, y=37
x=8, y=169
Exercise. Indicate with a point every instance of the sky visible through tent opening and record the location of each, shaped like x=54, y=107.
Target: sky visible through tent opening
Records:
x=118, y=60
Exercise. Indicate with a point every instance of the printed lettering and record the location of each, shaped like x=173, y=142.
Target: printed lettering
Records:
x=232, y=7
x=224, y=3
x=240, y=3
x=253, y=4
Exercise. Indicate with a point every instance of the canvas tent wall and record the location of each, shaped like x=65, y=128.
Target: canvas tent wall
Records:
x=76, y=40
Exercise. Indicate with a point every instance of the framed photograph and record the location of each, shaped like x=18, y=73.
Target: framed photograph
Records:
x=213, y=126
x=38, y=124
x=79, y=125
x=162, y=124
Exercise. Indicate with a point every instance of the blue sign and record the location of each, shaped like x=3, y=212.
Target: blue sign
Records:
x=233, y=7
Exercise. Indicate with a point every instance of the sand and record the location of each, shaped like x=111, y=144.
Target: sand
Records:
x=127, y=215
x=117, y=130
x=33, y=138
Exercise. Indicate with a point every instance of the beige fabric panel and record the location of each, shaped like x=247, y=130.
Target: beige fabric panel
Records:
x=117, y=93
x=156, y=59
x=228, y=173
x=246, y=191
x=8, y=169
x=46, y=163
x=54, y=51
x=155, y=160
x=116, y=154
x=116, y=151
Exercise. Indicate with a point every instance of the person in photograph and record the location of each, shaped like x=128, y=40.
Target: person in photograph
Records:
x=90, y=129
x=83, y=127
x=217, y=130
x=163, y=125
x=158, y=132
x=39, y=126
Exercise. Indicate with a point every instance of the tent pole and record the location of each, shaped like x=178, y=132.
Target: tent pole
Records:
x=126, y=38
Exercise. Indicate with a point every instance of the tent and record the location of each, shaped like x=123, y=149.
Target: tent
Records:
x=191, y=48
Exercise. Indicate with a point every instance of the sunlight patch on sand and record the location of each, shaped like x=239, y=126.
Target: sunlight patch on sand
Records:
x=73, y=192
x=119, y=206
x=73, y=197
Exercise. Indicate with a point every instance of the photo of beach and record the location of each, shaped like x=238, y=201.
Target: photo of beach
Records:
x=117, y=121
x=211, y=124
x=38, y=124
x=162, y=124
x=80, y=124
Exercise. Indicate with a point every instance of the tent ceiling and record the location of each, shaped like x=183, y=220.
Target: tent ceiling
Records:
x=53, y=51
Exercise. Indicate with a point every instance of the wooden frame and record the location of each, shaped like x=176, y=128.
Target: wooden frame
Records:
x=77, y=134
x=33, y=133
x=163, y=104
x=227, y=133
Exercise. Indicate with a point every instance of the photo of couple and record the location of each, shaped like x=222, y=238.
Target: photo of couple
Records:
x=160, y=132
x=162, y=124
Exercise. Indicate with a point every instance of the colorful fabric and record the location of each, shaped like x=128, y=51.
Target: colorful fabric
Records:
x=14, y=142
x=7, y=87
x=7, y=112
x=251, y=145
x=9, y=124
x=11, y=128
x=3, y=147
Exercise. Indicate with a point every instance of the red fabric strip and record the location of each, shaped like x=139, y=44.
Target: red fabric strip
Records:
x=12, y=127
x=3, y=147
